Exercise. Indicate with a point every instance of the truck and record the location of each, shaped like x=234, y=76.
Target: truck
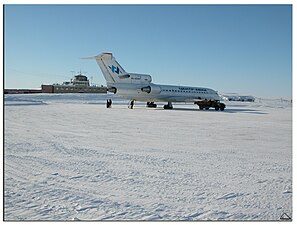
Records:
x=217, y=105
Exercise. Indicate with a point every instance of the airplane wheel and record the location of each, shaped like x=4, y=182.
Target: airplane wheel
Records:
x=167, y=107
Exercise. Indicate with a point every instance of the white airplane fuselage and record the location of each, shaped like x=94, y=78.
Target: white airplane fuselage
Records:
x=163, y=93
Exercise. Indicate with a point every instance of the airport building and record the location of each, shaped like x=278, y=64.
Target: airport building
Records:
x=241, y=98
x=21, y=91
x=79, y=84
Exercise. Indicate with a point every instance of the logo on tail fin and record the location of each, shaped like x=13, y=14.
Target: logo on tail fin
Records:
x=115, y=69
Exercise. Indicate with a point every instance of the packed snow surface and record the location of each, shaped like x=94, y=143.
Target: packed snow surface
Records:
x=68, y=157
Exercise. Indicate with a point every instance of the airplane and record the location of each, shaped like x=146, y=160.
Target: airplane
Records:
x=139, y=87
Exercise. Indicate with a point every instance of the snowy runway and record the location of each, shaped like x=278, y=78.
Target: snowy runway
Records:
x=67, y=157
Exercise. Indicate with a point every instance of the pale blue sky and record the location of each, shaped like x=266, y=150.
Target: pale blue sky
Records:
x=231, y=48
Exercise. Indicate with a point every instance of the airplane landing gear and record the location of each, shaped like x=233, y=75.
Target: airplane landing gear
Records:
x=151, y=105
x=168, y=106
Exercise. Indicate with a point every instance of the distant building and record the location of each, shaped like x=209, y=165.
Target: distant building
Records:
x=246, y=98
x=241, y=98
x=80, y=84
x=21, y=91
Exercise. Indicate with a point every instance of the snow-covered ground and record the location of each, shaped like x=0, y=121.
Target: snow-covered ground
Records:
x=67, y=157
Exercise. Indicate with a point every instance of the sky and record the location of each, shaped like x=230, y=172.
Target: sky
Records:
x=245, y=49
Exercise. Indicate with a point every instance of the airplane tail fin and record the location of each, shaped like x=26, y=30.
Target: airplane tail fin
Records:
x=110, y=68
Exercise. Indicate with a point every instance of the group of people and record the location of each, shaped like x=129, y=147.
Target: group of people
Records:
x=109, y=102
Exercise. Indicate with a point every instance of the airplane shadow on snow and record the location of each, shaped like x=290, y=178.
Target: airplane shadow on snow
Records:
x=251, y=111
x=227, y=110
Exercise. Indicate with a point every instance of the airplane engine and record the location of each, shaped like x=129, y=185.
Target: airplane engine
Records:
x=112, y=89
x=152, y=89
